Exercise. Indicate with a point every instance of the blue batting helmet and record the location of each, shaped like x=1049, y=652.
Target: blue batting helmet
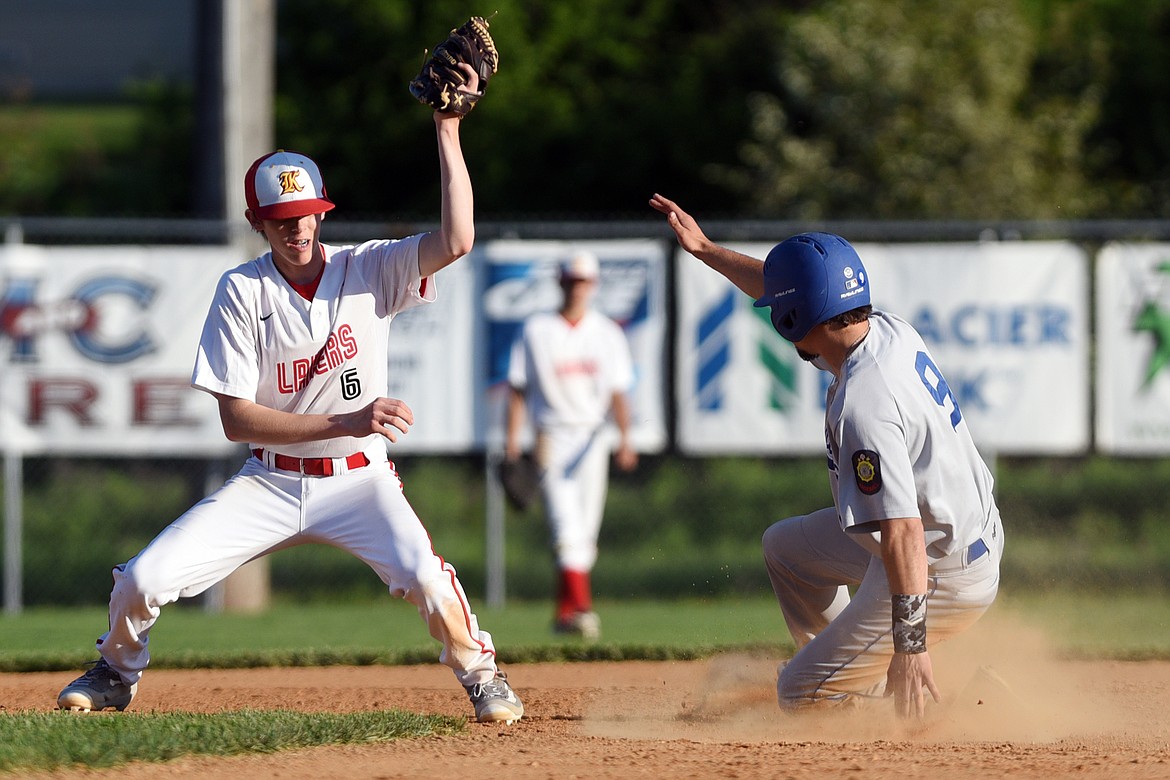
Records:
x=810, y=278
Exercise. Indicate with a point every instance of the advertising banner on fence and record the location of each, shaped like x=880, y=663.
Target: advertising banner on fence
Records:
x=99, y=342
x=740, y=387
x=97, y=346
x=433, y=366
x=1133, y=349
x=1007, y=323
x=521, y=279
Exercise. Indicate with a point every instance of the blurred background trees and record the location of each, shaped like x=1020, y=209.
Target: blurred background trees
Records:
x=821, y=109
x=936, y=109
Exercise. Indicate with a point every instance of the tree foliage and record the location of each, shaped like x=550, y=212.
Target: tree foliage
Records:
x=1015, y=109
x=126, y=160
x=596, y=105
x=923, y=110
x=1133, y=134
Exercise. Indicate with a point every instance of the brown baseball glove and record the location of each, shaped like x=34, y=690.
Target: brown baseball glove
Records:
x=437, y=84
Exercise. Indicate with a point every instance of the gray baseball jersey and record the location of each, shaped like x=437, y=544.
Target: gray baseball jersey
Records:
x=899, y=447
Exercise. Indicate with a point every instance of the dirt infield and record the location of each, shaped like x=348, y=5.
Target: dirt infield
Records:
x=713, y=718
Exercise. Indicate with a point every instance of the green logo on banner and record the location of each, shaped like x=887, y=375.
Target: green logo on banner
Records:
x=776, y=355
x=1156, y=321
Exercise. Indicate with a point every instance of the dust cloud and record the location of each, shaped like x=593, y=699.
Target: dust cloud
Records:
x=1002, y=680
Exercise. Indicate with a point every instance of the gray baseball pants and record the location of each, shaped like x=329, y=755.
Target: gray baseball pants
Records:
x=843, y=642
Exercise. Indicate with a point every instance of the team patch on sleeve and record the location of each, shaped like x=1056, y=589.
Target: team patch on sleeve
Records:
x=867, y=468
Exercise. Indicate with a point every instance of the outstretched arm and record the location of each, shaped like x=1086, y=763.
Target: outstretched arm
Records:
x=456, y=233
x=746, y=273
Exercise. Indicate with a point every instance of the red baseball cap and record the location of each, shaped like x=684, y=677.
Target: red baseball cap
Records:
x=283, y=185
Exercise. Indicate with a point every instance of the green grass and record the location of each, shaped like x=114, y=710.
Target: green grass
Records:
x=45, y=741
x=389, y=631
x=1120, y=625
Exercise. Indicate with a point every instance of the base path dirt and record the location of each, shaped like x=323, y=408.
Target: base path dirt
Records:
x=1025, y=718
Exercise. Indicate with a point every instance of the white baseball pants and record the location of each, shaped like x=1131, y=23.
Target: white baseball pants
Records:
x=259, y=511
x=844, y=644
x=574, y=479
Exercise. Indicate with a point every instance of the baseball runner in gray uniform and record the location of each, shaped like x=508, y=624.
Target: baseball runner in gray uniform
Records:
x=913, y=523
x=294, y=351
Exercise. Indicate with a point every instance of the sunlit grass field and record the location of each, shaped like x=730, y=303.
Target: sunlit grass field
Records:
x=1121, y=625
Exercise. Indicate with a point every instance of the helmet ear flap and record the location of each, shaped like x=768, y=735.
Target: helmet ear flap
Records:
x=783, y=321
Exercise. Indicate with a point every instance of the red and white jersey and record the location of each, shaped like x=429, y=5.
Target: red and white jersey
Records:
x=570, y=371
x=263, y=342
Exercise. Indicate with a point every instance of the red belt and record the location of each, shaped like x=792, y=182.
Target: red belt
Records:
x=313, y=467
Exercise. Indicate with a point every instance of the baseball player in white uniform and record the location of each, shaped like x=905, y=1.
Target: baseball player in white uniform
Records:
x=913, y=523
x=569, y=369
x=294, y=350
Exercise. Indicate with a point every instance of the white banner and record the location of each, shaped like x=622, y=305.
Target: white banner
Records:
x=740, y=386
x=433, y=365
x=97, y=346
x=521, y=279
x=99, y=342
x=1133, y=349
x=1007, y=323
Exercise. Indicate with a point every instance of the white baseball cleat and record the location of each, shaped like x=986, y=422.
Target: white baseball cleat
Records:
x=98, y=689
x=495, y=701
x=586, y=625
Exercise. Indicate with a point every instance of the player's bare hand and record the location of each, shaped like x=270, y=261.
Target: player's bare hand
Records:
x=385, y=416
x=908, y=678
x=472, y=85
x=690, y=236
x=626, y=458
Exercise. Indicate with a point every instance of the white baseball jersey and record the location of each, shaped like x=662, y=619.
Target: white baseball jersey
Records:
x=570, y=371
x=899, y=446
x=265, y=343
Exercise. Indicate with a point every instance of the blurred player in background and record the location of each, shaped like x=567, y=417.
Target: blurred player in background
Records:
x=569, y=369
x=294, y=349
x=914, y=521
